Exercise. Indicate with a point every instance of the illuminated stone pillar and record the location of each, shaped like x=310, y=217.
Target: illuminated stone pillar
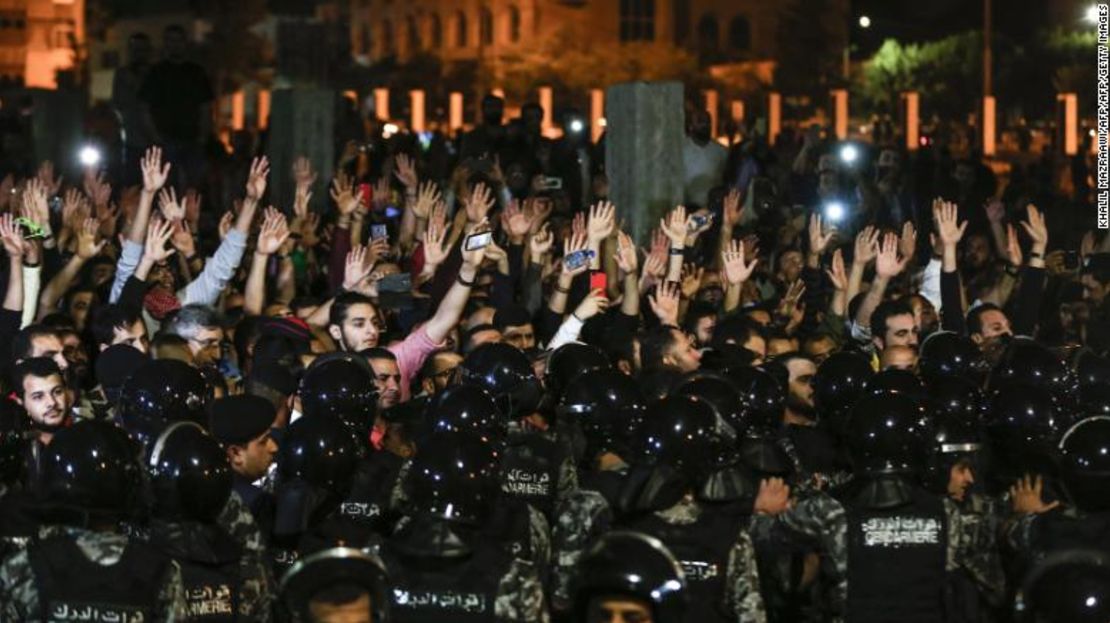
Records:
x=911, y=119
x=774, y=116
x=838, y=100
x=546, y=103
x=263, y=108
x=597, y=114
x=712, y=104
x=455, y=114
x=416, y=103
x=1067, y=124
x=988, y=126
x=381, y=104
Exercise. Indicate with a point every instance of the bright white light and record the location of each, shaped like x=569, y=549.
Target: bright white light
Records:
x=864, y=21
x=389, y=129
x=601, y=122
x=1092, y=14
x=834, y=211
x=849, y=153
x=89, y=156
x=1092, y=602
x=576, y=125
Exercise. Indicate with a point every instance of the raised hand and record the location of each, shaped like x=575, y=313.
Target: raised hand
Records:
x=541, y=242
x=256, y=179
x=405, y=171
x=539, y=209
x=226, y=222
x=887, y=263
x=158, y=233
x=1027, y=495
x=907, y=242
x=733, y=208
x=300, y=203
x=691, y=279
x=192, y=203
x=35, y=205
x=1013, y=248
x=479, y=204
x=427, y=197
x=434, y=250
x=97, y=189
x=575, y=242
x=473, y=259
x=171, y=208
x=182, y=238
x=594, y=303
x=664, y=302
x=945, y=214
x=273, y=234
x=654, y=266
x=790, y=301
x=12, y=237
x=87, y=245
x=626, y=254
x=515, y=222
x=674, y=227
x=837, y=275
x=303, y=174
x=155, y=172
x=344, y=195
x=1035, y=226
x=818, y=238
x=867, y=245
x=356, y=268
x=602, y=220
x=578, y=224
x=737, y=269
x=773, y=497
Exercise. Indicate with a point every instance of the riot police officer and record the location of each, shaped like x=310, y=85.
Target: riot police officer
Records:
x=158, y=394
x=443, y=565
x=567, y=362
x=632, y=576
x=91, y=480
x=341, y=385
x=1070, y=585
x=947, y=354
x=191, y=481
x=839, y=382
x=679, y=449
x=336, y=584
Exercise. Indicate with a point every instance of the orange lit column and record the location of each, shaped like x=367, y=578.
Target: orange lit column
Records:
x=774, y=116
x=546, y=103
x=1067, y=126
x=238, y=114
x=455, y=113
x=597, y=113
x=911, y=119
x=737, y=110
x=712, y=102
x=263, y=108
x=381, y=104
x=988, y=126
x=416, y=102
x=838, y=98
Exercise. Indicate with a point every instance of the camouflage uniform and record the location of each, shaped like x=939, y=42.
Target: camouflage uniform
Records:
x=520, y=595
x=579, y=521
x=19, y=598
x=257, y=581
x=973, y=526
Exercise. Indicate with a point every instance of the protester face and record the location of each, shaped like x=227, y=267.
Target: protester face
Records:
x=1093, y=291
x=356, y=611
x=960, y=479
x=134, y=336
x=899, y=358
x=387, y=380
x=205, y=345
x=445, y=365
x=78, y=308
x=359, y=330
x=994, y=324
x=790, y=266
x=522, y=336
x=49, y=346
x=924, y=315
x=46, y=400
x=977, y=253
x=799, y=395
x=487, y=336
x=819, y=350
x=682, y=353
x=74, y=352
x=253, y=460
x=704, y=328
x=901, y=330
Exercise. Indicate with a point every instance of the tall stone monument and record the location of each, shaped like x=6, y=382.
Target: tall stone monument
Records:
x=644, y=125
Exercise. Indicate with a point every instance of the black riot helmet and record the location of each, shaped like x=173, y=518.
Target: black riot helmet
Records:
x=1085, y=454
x=567, y=362
x=635, y=566
x=338, y=573
x=949, y=354
x=839, y=382
x=958, y=398
x=190, y=476
x=1094, y=399
x=453, y=477
x=762, y=401
x=897, y=380
x=608, y=407
x=1027, y=362
x=720, y=393
x=505, y=372
x=887, y=434
x=1023, y=415
x=341, y=385
x=1071, y=586
x=465, y=409
x=957, y=406
x=92, y=468
x=321, y=451
x=1092, y=369
x=684, y=433
x=159, y=393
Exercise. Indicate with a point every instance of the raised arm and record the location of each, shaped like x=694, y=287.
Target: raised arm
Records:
x=887, y=266
x=155, y=173
x=627, y=263
x=451, y=307
x=14, y=246
x=736, y=272
x=949, y=233
x=273, y=234
x=87, y=248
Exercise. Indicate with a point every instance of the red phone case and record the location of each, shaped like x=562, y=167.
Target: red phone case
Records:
x=598, y=281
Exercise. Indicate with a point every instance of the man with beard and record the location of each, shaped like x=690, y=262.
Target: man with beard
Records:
x=38, y=340
x=813, y=446
x=704, y=160
x=40, y=388
x=387, y=376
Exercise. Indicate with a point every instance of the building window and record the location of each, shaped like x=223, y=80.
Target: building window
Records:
x=415, y=44
x=637, y=20
x=739, y=34
x=709, y=34
x=514, y=24
x=460, y=29
x=437, y=31
x=387, y=37
x=485, y=26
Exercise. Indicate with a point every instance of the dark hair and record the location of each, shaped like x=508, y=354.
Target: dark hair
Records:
x=59, y=321
x=471, y=332
x=41, y=367
x=337, y=315
x=975, y=317
x=654, y=345
x=162, y=339
x=885, y=310
x=737, y=330
x=21, y=343
x=696, y=312
x=377, y=352
x=339, y=594
x=109, y=318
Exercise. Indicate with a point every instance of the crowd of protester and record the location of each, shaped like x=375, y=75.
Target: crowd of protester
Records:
x=825, y=388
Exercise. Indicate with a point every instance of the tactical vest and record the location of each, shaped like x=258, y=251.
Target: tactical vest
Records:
x=702, y=549
x=368, y=500
x=435, y=590
x=896, y=560
x=211, y=592
x=608, y=483
x=530, y=470
x=73, y=588
x=509, y=524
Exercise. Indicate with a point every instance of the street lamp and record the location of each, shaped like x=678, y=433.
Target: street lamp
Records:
x=1092, y=14
x=864, y=21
